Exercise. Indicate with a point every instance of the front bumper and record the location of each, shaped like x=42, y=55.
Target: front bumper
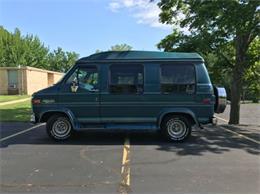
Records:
x=33, y=118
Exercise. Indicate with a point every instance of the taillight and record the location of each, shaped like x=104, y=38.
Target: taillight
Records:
x=206, y=101
x=36, y=101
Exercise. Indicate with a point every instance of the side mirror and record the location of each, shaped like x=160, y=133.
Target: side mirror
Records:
x=74, y=87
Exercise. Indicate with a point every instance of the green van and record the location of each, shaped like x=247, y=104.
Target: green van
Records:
x=130, y=90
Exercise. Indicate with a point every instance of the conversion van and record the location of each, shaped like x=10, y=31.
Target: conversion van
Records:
x=130, y=90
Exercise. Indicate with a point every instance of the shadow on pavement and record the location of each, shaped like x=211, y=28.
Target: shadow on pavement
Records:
x=250, y=131
x=211, y=139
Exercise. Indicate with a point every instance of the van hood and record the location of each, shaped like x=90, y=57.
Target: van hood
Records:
x=49, y=90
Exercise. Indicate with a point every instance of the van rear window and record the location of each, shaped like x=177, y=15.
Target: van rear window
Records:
x=177, y=78
x=126, y=79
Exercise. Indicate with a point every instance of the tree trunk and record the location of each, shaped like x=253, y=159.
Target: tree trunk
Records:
x=236, y=87
x=241, y=45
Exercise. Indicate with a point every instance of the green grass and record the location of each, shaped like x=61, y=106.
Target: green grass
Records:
x=7, y=98
x=20, y=112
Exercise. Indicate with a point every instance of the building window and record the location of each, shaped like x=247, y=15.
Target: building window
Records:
x=126, y=79
x=13, y=86
x=177, y=78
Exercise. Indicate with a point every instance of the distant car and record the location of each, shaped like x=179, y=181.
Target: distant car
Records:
x=133, y=90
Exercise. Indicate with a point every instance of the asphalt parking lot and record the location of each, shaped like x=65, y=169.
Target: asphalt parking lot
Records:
x=216, y=159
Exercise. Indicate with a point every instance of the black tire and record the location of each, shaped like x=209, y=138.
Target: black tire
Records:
x=176, y=128
x=59, y=128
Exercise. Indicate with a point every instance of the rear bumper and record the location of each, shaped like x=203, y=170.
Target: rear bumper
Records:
x=214, y=121
x=208, y=120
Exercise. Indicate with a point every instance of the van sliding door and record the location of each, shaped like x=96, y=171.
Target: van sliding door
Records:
x=122, y=102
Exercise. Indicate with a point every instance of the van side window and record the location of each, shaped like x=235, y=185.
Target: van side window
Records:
x=177, y=78
x=126, y=79
x=85, y=78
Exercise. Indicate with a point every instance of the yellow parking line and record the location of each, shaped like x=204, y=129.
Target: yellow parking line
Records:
x=126, y=161
x=21, y=132
x=125, y=170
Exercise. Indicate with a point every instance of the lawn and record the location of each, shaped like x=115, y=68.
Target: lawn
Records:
x=16, y=112
x=6, y=98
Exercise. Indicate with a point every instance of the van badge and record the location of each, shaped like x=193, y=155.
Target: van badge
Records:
x=48, y=101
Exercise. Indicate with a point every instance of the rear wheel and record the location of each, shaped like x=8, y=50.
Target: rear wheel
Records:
x=176, y=128
x=59, y=127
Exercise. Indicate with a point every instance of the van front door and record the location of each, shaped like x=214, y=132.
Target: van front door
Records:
x=80, y=94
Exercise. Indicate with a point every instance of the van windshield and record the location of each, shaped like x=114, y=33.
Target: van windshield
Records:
x=61, y=79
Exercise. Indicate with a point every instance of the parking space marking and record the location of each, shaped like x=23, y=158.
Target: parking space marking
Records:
x=21, y=132
x=240, y=135
x=125, y=170
x=221, y=119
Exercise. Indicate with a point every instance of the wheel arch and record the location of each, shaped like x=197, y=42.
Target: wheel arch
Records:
x=180, y=111
x=47, y=114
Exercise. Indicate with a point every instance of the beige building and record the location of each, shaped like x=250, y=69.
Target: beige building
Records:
x=25, y=80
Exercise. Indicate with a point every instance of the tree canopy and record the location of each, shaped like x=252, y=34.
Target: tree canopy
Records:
x=28, y=50
x=222, y=31
x=118, y=47
x=121, y=47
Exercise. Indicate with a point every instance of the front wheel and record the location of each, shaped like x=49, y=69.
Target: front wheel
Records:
x=176, y=128
x=59, y=127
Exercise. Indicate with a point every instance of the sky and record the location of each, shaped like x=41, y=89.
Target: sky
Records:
x=84, y=26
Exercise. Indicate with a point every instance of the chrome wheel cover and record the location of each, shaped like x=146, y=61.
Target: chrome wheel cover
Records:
x=61, y=128
x=176, y=128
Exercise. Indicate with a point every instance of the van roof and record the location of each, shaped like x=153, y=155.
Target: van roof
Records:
x=141, y=56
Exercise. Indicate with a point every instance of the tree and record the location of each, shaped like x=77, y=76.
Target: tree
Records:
x=98, y=51
x=35, y=54
x=28, y=50
x=214, y=26
x=121, y=47
x=18, y=50
x=252, y=75
x=60, y=60
x=118, y=47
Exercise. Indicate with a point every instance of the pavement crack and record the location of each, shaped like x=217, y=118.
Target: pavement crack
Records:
x=83, y=155
x=10, y=185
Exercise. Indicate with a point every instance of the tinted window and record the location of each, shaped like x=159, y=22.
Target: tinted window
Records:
x=202, y=73
x=126, y=79
x=177, y=79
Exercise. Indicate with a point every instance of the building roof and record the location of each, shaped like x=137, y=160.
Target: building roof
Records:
x=141, y=56
x=31, y=69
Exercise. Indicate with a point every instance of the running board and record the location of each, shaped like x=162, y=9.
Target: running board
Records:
x=116, y=127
